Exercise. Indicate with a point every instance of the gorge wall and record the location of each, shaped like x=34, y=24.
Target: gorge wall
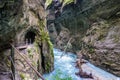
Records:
x=24, y=21
x=88, y=27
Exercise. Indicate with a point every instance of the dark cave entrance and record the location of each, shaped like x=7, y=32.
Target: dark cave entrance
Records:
x=30, y=37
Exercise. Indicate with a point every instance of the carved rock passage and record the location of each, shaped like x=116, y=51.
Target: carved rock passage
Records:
x=20, y=23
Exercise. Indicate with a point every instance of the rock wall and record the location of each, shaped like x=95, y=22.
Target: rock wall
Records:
x=18, y=19
x=102, y=47
x=92, y=24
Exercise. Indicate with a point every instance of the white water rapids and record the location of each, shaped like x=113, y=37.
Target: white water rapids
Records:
x=65, y=67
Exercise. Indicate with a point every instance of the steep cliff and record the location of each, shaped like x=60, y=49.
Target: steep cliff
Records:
x=21, y=22
x=93, y=26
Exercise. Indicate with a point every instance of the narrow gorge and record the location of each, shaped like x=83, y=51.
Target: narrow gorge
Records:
x=38, y=38
x=92, y=26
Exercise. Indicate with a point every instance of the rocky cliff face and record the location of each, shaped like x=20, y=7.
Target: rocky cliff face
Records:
x=21, y=22
x=103, y=45
x=93, y=26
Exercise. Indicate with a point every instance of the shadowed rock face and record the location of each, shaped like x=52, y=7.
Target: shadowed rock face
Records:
x=104, y=45
x=94, y=26
x=5, y=77
x=8, y=16
x=21, y=20
x=17, y=16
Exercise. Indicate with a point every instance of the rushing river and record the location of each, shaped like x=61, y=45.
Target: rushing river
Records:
x=65, y=67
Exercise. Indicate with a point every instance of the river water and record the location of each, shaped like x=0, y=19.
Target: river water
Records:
x=65, y=67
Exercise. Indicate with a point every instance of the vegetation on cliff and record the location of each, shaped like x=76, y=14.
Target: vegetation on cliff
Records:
x=93, y=23
x=18, y=19
x=64, y=2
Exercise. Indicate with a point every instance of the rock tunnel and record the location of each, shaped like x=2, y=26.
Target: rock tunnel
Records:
x=30, y=37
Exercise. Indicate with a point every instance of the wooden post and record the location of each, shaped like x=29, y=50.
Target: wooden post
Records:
x=12, y=62
x=30, y=41
x=26, y=41
x=27, y=62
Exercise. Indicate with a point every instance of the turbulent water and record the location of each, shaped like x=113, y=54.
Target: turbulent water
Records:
x=65, y=67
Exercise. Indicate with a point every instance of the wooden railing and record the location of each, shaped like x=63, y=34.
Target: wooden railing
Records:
x=19, y=53
x=20, y=44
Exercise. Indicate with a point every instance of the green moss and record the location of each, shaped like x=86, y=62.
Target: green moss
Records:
x=43, y=37
x=116, y=38
x=47, y=3
x=30, y=53
x=91, y=50
x=22, y=76
x=49, y=61
x=48, y=66
x=65, y=2
x=51, y=47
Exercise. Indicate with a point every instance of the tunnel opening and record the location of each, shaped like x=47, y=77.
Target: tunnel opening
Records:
x=30, y=37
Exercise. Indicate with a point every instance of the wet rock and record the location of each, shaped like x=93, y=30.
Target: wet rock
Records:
x=21, y=22
x=62, y=39
x=52, y=32
x=95, y=27
x=5, y=76
x=106, y=50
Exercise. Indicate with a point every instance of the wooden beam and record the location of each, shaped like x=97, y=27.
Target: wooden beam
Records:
x=12, y=62
x=39, y=75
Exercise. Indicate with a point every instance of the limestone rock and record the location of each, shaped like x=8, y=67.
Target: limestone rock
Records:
x=21, y=22
x=95, y=27
x=105, y=50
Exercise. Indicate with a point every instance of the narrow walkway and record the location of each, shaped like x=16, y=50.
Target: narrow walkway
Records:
x=22, y=47
x=26, y=60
